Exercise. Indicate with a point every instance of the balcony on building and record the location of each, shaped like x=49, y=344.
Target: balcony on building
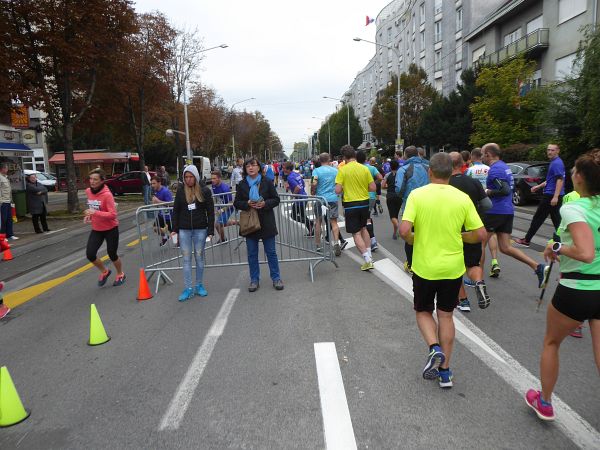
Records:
x=530, y=45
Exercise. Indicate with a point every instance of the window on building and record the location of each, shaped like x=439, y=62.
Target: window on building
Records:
x=437, y=60
x=390, y=55
x=422, y=40
x=437, y=32
x=459, y=19
x=512, y=37
x=437, y=7
x=389, y=35
x=537, y=78
x=535, y=24
x=422, y=12
x=459, y=50
x=414, y=24
x=439, y=85
x=567, y=9
x=478, y=53
x=565, y=66
x=459, y=80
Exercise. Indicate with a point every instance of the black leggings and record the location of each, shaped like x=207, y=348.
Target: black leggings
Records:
x=95, y=241
x=299, y=215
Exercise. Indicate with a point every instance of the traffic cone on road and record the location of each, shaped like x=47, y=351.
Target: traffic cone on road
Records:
x=7, y=256
x=12, y=411
x=143, y=290
x=98, y=335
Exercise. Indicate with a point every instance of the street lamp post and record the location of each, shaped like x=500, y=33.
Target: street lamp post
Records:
x=233, y=124
x=347, y=110
x=328, y=132
x=395, y=50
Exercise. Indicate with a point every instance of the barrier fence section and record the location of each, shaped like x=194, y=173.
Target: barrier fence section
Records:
x=303, y=227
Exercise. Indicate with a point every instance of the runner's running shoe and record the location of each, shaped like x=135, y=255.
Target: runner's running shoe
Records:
x=464, y=305
x=337, y=249
x=468, y=282
x=435, y=358
x=119, y=280
x=483, y=299
x=495, y=270
x=367, y=266
x=200, y=290
x=521, y=242
x=407, y=268
x=445, y=378
x=103, y=277
x=4, y=310
x=543, y=410
x=576, y=333
x=542, y=273
x=380, y=208
x=343, y=244
x=374, y=246
x=186, y=294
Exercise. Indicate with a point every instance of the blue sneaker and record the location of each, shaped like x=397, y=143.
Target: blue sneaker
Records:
x=434, y=360
x=200, y=290
x=468, y=282
x=186, y=294
x=542, y=273
x=445, y=378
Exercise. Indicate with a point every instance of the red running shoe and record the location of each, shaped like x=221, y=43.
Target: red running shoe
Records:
x=543, y=410
x=4, y=310
x=576, y=333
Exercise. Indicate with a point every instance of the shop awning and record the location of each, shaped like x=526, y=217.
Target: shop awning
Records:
x=12, y=150
x=94, y=157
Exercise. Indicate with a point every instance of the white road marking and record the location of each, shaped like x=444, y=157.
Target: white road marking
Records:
x=572, y=425
x=55, y=231
x=181, y=400
x=337, y=423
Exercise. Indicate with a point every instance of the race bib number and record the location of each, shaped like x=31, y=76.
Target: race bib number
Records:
x=94, y=204
x=191, y=206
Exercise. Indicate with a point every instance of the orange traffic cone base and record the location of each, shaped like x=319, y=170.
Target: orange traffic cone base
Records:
x=143, y=290
x=28, y=413
x=99, y=343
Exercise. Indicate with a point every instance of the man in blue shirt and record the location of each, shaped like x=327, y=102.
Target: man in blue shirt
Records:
x=296, y=186
x=160, y=194
x=499, y=218
x=554, y=189
x=323, y=185
x=223, y=198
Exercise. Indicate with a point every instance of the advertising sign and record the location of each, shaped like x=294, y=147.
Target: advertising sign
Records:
x=19, y=116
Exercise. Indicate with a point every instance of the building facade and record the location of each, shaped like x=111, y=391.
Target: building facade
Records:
x=429, y=33
x=547, y=31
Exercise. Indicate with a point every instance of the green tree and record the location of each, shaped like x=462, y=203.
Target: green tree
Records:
x=506, y=110
x=338, y=124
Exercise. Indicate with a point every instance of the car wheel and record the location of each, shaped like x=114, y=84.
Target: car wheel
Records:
x=518, y=197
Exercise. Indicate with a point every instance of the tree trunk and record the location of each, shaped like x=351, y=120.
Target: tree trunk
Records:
x=72, y=197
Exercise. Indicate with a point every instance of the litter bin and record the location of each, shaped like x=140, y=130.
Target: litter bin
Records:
x=20, y=200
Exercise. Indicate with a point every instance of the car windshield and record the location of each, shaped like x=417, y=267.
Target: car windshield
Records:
x=48, y=176
x=40, y=176
x=537, y=171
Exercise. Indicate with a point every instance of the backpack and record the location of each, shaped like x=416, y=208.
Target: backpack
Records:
x=407, y=176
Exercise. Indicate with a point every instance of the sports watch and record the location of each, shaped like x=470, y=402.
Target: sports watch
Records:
x=556, y=247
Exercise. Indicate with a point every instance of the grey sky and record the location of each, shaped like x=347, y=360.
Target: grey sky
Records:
x=287, y=54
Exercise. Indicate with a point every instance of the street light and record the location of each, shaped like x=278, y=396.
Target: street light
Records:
x=233, y=124
x=347, y=109
x=328, y=132
x=395, y=50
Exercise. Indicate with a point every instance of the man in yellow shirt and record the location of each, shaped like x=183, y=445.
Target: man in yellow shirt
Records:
x=355, y=182
x=438, y=260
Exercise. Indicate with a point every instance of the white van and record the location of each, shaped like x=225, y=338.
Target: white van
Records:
x=46, y=179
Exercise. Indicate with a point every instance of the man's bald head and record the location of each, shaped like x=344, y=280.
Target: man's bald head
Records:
x=457, y=160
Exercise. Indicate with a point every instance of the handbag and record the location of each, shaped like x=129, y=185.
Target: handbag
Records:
x=249, y=222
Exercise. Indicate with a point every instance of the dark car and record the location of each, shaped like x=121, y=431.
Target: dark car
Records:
x=127, y=183
x=526, y=175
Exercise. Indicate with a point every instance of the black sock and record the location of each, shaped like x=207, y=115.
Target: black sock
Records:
x=434, y=345
x=443, y=370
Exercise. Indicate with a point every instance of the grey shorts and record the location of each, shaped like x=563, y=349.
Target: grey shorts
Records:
x=334, y=210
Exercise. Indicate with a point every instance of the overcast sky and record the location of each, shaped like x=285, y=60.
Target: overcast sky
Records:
x=286, y=54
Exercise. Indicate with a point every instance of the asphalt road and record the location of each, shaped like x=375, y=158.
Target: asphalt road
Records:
x=252, y=359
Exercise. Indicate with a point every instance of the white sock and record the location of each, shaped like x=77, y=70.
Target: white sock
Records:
x=373, y=240
x=370, y=254
x=367, y=257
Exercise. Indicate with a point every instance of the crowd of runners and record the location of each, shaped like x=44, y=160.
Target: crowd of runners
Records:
x=448, y=210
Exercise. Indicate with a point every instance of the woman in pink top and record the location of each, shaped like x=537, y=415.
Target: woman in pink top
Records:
x=102, y=214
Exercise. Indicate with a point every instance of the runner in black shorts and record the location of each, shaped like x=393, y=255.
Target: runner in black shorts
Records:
x=392, y=199
x=498, y=223
x=425, y=292
x=356, y=214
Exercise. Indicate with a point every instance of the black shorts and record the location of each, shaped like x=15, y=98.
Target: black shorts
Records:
x=472, y=254
x=356, y=216
x=425, y=292
x=393, y=205
x=577, y=304
x=498, y=223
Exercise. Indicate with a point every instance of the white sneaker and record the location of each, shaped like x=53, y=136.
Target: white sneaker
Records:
x=13, y=238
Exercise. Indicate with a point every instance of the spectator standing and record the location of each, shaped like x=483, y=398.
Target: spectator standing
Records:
x=162, y=195
x=6, y=223
x=164, y=176
x=146, y=187
x=236, y=174
x=438, y=264
x=37, y=201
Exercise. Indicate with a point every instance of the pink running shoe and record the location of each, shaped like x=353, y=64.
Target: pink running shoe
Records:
x=534, y=400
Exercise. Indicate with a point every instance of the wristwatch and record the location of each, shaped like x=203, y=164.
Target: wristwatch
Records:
x=556, y=247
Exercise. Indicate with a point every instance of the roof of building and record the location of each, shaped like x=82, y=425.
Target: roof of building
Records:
x=94, y=157
x=508, y=7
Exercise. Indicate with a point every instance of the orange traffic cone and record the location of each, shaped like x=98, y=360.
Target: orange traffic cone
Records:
x=144, y=289
x=7, y=255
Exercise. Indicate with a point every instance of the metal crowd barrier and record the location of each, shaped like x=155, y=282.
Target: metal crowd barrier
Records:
x=294, y=216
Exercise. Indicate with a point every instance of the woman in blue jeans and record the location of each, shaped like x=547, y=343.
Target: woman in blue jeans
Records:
x=193, y=220
x=255, y=192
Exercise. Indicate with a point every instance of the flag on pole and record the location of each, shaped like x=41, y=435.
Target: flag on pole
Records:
x=369, y=20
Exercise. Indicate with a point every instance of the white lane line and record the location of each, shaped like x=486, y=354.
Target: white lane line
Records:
x=181, y=400
x=571, y=424
x=337, y=423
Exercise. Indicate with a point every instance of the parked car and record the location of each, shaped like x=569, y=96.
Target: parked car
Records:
x=127, y=183
x=43, y=178
x=527, y=174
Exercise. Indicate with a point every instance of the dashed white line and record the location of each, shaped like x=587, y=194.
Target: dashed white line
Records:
x=337, y=424
x=181, y=400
